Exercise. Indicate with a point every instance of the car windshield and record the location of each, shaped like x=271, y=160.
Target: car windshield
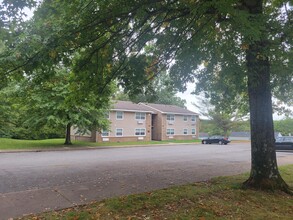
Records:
x=279, y=139
x=288, y=139
x=284, y=139
x=215, y=137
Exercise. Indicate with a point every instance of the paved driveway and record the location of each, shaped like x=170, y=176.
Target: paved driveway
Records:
x=39, y=181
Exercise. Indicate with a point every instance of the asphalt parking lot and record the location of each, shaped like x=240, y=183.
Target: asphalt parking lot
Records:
x=38, y=181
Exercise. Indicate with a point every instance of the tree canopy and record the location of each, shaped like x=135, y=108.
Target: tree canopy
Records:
x=158, y=90
x=230, y=49
x=221, y=120
x=123, y=28
x=58, y=102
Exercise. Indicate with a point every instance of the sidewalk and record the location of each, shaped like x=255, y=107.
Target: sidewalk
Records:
x=17, y=204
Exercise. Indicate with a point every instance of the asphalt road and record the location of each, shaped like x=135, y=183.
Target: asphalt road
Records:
x=40, y=181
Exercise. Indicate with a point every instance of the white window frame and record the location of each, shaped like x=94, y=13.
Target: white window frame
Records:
x=193, y=131
x=171, y=117
x=122, y=114
x=138, y=116
x=140, y=133
x=185, y=118
x=103, y=133
x=169, y=133
x=121, y=132
x=185, y=131
x=193, y=118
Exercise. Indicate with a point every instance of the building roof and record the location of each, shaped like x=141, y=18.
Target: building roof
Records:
x=130, y=107
x=170, y=109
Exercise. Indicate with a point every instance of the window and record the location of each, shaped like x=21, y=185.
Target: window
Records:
x=185, y=131
x=140, y=132
x=193, y=131
x=139, y=116
x=107, y=115
x=170, y=117
x=119, y=115
x=279, y=139
x=193, y=118
x=184, y=117
x=170, y=131
x=119, y=132
x=105, y=133
x=287, y=139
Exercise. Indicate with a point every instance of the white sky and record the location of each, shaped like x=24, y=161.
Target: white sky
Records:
x=192, y=99
x=189, y=97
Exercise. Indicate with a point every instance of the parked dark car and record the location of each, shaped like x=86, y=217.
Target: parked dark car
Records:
x=215, y=139
x=284, y=143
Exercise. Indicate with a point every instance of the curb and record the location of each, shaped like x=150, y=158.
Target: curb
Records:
x=89, y=148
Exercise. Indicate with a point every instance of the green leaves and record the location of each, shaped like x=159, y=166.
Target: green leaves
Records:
x=159, y=89
x=204, y=42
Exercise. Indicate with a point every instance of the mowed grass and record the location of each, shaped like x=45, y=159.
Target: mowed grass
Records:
x=220, y=198
x=7, y=144
x=14, y=144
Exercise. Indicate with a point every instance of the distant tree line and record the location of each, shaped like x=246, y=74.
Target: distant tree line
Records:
x=284, y=126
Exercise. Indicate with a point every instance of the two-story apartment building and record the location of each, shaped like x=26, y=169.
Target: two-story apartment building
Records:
x=173, y=122
x=128, y=122
x=145, y=122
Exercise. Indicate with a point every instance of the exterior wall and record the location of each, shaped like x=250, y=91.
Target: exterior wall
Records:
x=80, y=138
x=164, y=127
x=197, y=126
x=157, y=127
x=148, y=126
x=119, y=139
x=76, y=136
x=129, y=123
x=179, y=125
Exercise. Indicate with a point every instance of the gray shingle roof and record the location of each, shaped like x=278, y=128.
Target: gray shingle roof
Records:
x=129, y=106
x=171, y=109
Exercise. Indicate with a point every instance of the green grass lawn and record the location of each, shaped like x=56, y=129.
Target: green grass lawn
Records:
x=220, y=198
x=13, y=144
x=6, y=144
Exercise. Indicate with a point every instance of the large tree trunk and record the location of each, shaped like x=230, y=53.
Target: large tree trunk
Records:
x=68, y=138
x=264, y=170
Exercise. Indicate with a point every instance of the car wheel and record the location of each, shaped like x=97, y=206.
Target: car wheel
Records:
x=204, y=142
x=220, y=142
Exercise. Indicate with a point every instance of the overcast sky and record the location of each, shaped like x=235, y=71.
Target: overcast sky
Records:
x=192, y=99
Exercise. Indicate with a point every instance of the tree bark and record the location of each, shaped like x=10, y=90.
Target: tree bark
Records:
x=264, y=169
x=68, y=138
